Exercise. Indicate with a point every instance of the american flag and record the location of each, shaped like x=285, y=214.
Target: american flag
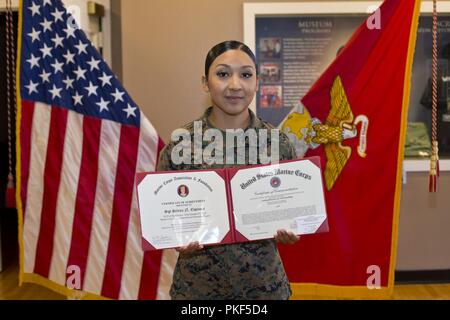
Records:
x=82, y=139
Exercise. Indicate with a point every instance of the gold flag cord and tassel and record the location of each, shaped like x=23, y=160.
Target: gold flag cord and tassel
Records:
x=10, y=101
x=434, y=161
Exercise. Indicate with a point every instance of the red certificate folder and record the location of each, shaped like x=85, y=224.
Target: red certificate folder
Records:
x=227, y=175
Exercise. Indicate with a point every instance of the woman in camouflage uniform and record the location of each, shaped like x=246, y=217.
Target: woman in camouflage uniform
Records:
x=234, y=271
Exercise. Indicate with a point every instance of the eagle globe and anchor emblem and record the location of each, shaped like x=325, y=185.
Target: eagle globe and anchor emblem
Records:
x=307, y=132
x=275, y=182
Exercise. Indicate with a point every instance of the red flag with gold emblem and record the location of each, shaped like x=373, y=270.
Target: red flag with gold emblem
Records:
x=356, y=122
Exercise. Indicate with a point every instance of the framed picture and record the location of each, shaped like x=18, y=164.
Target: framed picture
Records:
x=295, y=42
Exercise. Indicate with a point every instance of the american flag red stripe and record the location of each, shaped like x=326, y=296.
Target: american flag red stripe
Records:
x=124, y=186
x=52, y=177
x=25, y=143
x=149, y=278
x=85, y=198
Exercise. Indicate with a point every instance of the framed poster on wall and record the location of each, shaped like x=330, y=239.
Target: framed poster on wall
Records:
x=295, y=42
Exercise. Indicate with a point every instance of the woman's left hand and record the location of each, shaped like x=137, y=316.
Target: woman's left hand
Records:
x=285, y=237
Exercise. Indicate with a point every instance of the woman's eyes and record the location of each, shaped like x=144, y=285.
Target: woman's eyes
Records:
x=222, y=74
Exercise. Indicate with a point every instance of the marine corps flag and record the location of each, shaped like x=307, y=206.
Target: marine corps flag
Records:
x=354, y=118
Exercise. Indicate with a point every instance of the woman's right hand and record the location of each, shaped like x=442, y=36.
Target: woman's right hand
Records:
x=191, y=247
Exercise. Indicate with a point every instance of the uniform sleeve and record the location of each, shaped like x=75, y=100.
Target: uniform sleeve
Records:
x=287, y=150
x=164, y=161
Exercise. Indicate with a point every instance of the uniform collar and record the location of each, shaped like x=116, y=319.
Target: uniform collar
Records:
x=254, y=122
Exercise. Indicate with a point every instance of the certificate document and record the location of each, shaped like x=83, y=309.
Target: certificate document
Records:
x=182, y=207
x=284, y=196
x=230, y=205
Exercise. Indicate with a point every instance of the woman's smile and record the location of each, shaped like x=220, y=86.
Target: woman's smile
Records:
x=234, y=99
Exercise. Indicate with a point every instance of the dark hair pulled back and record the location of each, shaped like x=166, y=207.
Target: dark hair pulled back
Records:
x=225, y=46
